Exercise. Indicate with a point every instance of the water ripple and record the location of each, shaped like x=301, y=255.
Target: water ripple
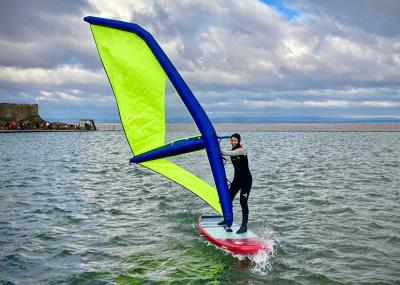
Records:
x=76, y=212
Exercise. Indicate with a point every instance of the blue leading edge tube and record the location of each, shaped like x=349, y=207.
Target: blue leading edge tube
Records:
x=171, y=149
x=203, y=123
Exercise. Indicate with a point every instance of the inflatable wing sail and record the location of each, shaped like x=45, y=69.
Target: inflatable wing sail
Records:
x=137, y=69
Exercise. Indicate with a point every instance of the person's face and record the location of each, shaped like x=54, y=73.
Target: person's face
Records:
x=234, y=141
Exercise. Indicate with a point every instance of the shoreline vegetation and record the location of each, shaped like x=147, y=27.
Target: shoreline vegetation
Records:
x=240, y=127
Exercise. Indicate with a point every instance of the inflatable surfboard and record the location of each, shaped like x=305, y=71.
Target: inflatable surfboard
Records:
x=246, y=243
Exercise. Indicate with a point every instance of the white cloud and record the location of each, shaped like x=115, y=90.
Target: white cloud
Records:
x=65, y=74
x=122, y=9
x=254, y=104
x=215, y=76
x=380, y=104
x=327, y=104
x=173, y=47
x=58, y=96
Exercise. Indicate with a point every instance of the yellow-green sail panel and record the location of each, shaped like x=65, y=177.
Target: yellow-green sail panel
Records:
x=183, y=177
x=138, y=82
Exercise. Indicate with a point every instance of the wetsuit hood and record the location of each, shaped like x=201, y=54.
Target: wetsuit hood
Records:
x=237, y=136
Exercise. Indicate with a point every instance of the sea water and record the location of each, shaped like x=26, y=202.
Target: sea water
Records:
x=72, y=211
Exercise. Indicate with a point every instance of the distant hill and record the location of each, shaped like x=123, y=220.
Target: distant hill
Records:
x=277, y=119
x=292, y=119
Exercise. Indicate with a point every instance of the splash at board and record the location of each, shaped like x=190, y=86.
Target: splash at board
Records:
x=138, y=69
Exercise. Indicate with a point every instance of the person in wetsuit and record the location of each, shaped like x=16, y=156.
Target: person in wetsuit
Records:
x=242, y=178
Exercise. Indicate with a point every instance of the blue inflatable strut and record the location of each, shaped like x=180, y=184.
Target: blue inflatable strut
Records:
x=171, y=149
x=203, y=123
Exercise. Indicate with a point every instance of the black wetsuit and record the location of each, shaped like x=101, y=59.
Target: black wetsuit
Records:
x=242, y=181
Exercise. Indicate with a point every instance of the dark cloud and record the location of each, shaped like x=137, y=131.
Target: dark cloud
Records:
x=44, y=34
x=21, y=20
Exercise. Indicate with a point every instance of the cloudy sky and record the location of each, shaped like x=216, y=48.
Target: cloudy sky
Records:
x=242, y=59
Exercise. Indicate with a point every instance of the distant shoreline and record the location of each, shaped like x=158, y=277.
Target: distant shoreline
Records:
x=253, y=127
x=296, y=127
x=42, y=131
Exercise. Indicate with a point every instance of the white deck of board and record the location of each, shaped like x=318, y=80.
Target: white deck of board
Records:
x=209, y=223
